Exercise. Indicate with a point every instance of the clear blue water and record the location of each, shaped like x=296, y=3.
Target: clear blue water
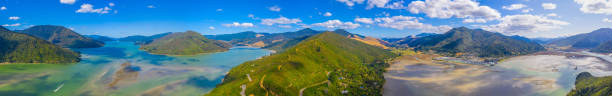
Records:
x=156, y=74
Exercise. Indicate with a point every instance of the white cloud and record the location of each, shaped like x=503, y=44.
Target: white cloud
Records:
x=351, y=2
x=219, y=10
x=16, y=24
x=364, y=20
x=407, y=22
x=2, y=8
x=284, y=26
x=526, y=10
x=274, y=8
x=525, y=24
x=14, y=18
x=469, y=20
x=376, y=3
x=151, y=6
x=280, y=20
x=88, y=8
x=549, y=6
x=211, y=28
x=238, y=24
x=607, y=20
x=333, y=24
x=514, y=6
x=67, y=1
x=111, y=4
x=327, y=14
x=596, y=6
x=456, y=8
x=552, y=15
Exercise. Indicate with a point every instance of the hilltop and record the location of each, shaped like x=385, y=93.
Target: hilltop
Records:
x=184, y=43
x=586, y=40
x=587, y=85
x=324, y=64
x=475, y=42
x=22, y=48
x=62, y=36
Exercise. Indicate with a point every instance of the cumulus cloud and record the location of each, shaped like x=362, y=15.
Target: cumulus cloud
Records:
x=376, y=3
x=549, y=6
x=351, y=2
x=407, y=22
x=469, y=20
x=607, y=20
x=211, y=28
x=514, y=6
x=14, y=18
x=527, y=10
x=2, y=8
x=88, y=8
x=280, y=20
x=364, y=20
x=111, y=4
x=274, y=8
x=12, y=25
x=151, y=6
x=552, y=15
x=595, y=6
x=238, y=24
x=524, y=24
x=456, y=8
x=284, y=26
x=327, y=14
x=333, y=24
x=67, y=1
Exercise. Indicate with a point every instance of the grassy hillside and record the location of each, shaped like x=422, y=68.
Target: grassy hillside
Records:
x=184, y=43
x=22, y=48
x=587, y=85
x=463, y=41
x=62, y=36
x=605, y=47
x=586, y=40
x=282, y=44
x=326, y=64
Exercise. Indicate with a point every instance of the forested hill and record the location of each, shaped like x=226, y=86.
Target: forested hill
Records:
x=22, y=48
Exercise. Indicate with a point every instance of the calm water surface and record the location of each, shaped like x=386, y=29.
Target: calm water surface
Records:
x=100, y=73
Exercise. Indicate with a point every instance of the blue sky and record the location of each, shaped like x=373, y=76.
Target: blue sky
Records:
x=377, y=18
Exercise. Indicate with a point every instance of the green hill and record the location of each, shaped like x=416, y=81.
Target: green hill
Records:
x=184, y=43
x=468, y=42
x=327, y=64
x=587, y=85
x=141, y=40
x=605, y=47
x=586, y=40
x=22, y=48
x=62, y=36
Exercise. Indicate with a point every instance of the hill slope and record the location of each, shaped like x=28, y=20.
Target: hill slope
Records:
x=605, y=47
x=324, y=64
x=62, y=36
x=586, y=40
x=587, y=85
x=184, y=43
x=22, y=48
x=479, y=43
x=141, y=40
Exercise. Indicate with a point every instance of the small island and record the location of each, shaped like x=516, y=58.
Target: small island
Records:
x=184, y=43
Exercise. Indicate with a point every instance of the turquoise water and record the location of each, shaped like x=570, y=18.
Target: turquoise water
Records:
x=155, y=74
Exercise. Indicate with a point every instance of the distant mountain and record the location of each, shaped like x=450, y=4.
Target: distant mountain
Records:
x=141, y=40
x=463, y=41
x=327, y=64
x=62, y=36
x=586, y=40
x=403, y=42
x=22, y=48
x=279, y=41
x=101, y=38
x=587, y=85
x=546, y=40
x=605, y=47
x=184, y=43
